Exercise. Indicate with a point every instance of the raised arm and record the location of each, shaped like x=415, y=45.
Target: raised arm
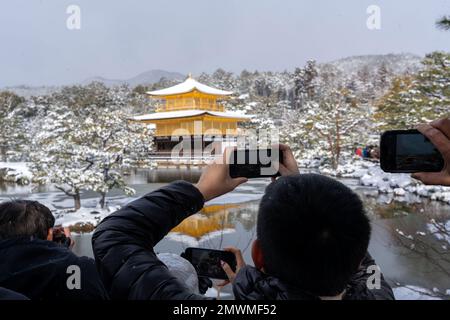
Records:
x=123, y=242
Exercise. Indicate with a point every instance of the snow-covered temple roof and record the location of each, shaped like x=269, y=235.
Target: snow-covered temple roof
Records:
x=187, y=86
x=189, y=113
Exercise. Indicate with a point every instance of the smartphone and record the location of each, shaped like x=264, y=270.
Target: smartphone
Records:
x=207, y=261
x=255, y=163
x=408, y=151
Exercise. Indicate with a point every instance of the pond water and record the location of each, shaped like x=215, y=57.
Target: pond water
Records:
x=230, y=220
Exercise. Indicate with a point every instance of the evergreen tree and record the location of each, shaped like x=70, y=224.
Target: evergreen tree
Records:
x=382, y=77
x=335, y=124
x=223, y=79
x=13, y=136
x=304, y=83
x=417, y=98
x=393, y=110
x=329, y=122
x=57, y=159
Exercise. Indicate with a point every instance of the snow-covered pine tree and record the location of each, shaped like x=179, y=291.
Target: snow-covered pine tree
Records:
x=393, y=109
x=419, y=97
x=83, y=146
x=336, y=122
x=382, y=77
x=304, y=82
x=57, y=159
x=107, y=137
x=330, y=122
x=223, y=79
x=433, y=83
x=335, y=119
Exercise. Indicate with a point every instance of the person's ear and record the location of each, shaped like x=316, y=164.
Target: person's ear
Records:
x=50, y=234
x=257, y=255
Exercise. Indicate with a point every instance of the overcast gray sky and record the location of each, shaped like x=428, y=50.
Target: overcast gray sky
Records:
x=119, y=39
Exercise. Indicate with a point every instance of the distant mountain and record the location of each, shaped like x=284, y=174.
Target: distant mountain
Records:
x=145, y=78
x=28, y=91
x=396, y=63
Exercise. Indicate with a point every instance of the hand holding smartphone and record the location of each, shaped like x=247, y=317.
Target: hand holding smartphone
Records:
x=255, y=163
x=207, y=262
x=221, y=177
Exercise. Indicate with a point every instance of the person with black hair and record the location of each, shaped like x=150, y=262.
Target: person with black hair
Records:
x=313, y=235
x=312, y=240
x=34, y=264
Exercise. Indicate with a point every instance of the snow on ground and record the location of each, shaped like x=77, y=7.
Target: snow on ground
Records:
x=415, y=293
x=84, y=215
x=400, y=184
x=17, y=172
x=370, y=174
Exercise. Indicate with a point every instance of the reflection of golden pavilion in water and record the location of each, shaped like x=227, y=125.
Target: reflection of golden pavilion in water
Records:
x=192, y=109
x=209, y=219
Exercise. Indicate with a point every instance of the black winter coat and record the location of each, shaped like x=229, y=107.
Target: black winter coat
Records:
x=38, y=270
x=252, y=284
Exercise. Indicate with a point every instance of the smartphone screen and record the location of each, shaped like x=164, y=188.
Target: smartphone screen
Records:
x=207, y=261
x=409, y=151
x=255, y=163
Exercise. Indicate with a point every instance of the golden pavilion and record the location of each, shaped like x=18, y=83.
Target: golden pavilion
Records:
x=192, y=109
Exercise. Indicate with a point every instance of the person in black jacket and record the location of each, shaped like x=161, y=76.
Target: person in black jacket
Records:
x=312, y=242
x=33, y=265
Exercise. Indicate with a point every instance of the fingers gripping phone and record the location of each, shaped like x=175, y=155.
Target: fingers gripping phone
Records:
x=408, y=151
x=255, y=163
x=207, y=261
x=60, y=238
